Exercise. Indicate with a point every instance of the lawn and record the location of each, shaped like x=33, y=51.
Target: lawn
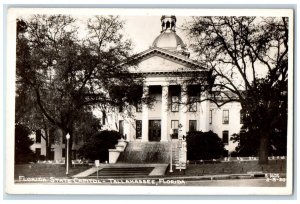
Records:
x=47, y=170
x=233, y=167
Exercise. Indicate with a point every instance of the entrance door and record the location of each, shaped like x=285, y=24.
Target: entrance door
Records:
x=51, y=157
x=154, y=130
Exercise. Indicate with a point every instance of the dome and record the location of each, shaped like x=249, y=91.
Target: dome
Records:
x=169, y=41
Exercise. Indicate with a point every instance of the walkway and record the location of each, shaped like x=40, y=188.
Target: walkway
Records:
x=125, y=170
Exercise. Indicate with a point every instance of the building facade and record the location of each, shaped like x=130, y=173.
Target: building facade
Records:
x=178, y=106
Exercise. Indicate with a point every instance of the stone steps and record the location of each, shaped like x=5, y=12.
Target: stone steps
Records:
x=123, y=172
x=146, y=152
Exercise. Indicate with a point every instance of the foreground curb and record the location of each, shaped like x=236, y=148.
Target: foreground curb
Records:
x=249, y=175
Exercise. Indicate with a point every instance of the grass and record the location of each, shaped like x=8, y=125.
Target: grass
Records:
x=46, y=170
x=233, y=167
x=274, y=166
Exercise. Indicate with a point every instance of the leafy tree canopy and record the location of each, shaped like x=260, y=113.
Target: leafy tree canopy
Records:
x=247, y=62
x=63, y=76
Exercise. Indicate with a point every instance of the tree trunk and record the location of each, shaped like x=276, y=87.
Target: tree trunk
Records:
x=48, y=149
x=264, y=147
x=47, y=139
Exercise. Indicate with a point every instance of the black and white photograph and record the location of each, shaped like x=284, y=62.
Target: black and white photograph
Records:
x=139, y=101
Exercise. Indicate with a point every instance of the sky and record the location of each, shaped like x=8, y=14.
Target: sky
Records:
x=142, y=30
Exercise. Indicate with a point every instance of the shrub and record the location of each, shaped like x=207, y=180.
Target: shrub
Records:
x=204, y=145
x=96, y=148
x=248, y=144
x=23, y=153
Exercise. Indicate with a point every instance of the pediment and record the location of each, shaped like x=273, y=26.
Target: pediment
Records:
x=158, y=63
x=159, y=60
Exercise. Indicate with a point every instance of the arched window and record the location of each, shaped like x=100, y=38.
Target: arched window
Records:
x=172, y=24
x=163, y=25
x=168, y=24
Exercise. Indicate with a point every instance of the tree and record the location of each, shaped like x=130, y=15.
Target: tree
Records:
x=204, y=145
x=97, y=146
x=27, y=112
x=67, y=76
x=86, y=126
x=277, y=107
x=247, y=58
x=23, y=153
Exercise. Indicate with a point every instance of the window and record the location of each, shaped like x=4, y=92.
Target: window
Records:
x=52, y=154
x=243, y=139
x=192, y=104
x=174, y=126
x=175, y=103
x=38, y=135
x=225, y=116
x=210, y=117
x=242, y=116
x=168, y=24
x=225, y=137
x=38, y=151
x=192, y=125
x=121, y=127
x=52, y=135
x=138, y=129
x=139, y=106
x=63, y=152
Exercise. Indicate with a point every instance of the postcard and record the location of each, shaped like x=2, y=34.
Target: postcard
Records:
x=149, y=101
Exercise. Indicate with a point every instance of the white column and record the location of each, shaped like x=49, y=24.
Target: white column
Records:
x=183, y=110
x=145, y=113
x=127, y=129
x=164, y=113
x=204, y=113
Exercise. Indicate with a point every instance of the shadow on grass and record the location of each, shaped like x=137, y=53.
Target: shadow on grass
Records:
x=230, y=168
x=46, y=170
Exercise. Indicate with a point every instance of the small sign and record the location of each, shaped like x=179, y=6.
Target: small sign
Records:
x=97, y=163
x=180, y=162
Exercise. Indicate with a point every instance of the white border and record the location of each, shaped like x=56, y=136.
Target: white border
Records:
x=13, y=188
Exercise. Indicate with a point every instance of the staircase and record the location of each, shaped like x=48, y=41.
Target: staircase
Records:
x=123, y=172
x=146, y=152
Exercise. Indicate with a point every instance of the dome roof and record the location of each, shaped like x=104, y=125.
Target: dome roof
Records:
x=169, y=41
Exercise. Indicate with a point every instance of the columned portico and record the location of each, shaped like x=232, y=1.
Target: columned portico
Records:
x=183, y=109
x=164, y=113
x=204, y=113
x=145, y=114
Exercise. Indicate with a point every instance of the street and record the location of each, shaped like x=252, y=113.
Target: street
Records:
x=237, y=183
x=154, y=182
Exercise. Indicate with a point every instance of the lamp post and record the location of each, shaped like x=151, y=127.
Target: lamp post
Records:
x=171, y=151
x=68, y=138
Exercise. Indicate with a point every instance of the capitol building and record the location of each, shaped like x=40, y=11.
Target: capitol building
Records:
x=178, y=106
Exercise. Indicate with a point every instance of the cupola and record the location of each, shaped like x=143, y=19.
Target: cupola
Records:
x=168, y=39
